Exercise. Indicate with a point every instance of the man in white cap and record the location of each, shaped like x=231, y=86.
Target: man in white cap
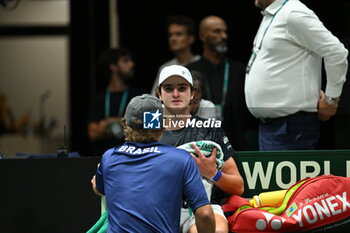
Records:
x=175, y=91
x=144, y=181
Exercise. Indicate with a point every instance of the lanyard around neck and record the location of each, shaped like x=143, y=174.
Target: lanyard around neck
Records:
x=225, y=84
x=268, y=26
x=108, y=103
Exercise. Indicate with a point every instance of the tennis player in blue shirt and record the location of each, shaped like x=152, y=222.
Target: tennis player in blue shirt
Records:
x=144, y=181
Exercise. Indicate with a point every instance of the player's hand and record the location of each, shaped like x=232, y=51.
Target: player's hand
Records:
x=207, y=166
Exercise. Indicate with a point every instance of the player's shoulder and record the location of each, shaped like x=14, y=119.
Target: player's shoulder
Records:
x=176, y=154
x=108, y=153
x=176, y=150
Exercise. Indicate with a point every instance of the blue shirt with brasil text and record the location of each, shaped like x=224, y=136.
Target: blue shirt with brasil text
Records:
x=144, y=185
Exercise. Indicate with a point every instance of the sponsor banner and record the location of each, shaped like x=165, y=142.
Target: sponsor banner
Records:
x=269, y=171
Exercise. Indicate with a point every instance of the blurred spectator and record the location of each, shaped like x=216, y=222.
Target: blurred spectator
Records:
x=223, y=84
x=181, y=36
x=104, y=121
x=199, y=106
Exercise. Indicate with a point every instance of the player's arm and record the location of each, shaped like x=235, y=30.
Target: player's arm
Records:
x=205, y=221
x=93, y=184
x=99, y=180
x=230, y=180
x=196, y=196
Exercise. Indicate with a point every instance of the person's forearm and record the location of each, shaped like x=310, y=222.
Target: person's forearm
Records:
x=94, y=188
x=231, y=181
x=205, y=221
x=231, y=184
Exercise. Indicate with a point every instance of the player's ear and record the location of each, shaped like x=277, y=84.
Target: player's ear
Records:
x=123, y=122
x=157, y=91
x=159, y=94
x=192, y=94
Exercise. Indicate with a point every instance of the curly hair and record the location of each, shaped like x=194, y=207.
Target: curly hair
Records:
x=141, y=135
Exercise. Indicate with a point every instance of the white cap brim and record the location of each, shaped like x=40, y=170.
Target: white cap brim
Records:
x=175, y=70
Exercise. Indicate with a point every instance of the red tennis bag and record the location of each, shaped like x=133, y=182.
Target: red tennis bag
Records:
x=319, y=204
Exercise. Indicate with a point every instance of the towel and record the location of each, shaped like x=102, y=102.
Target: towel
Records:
x=206, y=147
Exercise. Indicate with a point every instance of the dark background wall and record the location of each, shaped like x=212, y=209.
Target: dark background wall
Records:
x=48, y=195
x=141, y=28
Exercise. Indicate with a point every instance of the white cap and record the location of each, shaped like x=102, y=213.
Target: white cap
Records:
x=175, y=70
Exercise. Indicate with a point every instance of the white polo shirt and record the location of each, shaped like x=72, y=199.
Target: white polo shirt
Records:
x=285, y=76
